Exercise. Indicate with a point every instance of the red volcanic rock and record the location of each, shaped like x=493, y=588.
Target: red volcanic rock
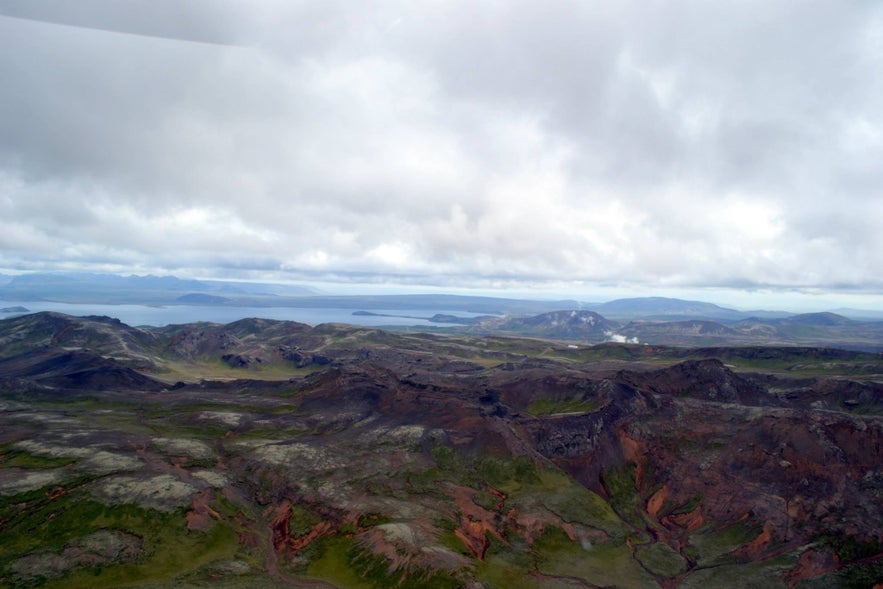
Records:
x=690, y=521
x=280, y=524
x=655, y=502
x=200, y=517
x=323, y=528
x=753, y=549
x=476, y=522
x=473, y=536
x=812, y=564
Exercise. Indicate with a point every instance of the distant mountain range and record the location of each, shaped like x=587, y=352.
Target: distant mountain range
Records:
x=647, y=319
x=150, y=290
x=815, y=329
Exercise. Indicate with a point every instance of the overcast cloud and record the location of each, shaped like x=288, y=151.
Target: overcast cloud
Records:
x=644, y=144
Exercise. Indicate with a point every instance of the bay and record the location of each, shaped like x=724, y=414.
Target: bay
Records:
x=136, y=315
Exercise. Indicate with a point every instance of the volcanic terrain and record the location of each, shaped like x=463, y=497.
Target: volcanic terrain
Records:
x=268, y=453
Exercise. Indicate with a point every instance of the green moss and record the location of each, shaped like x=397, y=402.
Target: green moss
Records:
x=853, y=576
x=572, y=502
x=553, y=406
x=850, y=548
x=486, y=500
x=624, y=497
x=302, y=520
x=37, y=520
x=170, y=549
x=525, y=484
x=660, y=559
x=173, y=551
x=333, y=564
x=14, y=458
x=687, y=507
x=754, y=575
x=340, y=561
x=597, y=564
x=449, y=539
x=712, y=546
x=505, y=570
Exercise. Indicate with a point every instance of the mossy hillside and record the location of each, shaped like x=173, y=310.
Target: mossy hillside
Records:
x=502, y=570
x=660, y=559
x=852, y=576
x=567, y=499
x=48, y=523
x=597, y=563
x=526, y=485
x=619, y=482
x=542, y=407
x=711, y=546
x=767, y=574
x=12, y=457
x=341, y=561
x=213, y=368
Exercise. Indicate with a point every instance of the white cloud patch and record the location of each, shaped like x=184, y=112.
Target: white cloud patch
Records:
x=681, y=145
x=619, y=338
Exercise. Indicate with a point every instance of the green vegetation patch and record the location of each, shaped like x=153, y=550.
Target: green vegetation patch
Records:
x=624, y=497
x=505, y=567
x=525, y=485
x=554, y=406
x=850, y=548
x=765, y=574
x=713, y=545
x=342, y=562
x=597, y=563
x=46, y=524
x=569, y=500
x=302, y=520
x=660, y=559
x=14, y=458
x=853, y=576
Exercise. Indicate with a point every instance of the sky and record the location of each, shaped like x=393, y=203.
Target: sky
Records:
x=730, y=150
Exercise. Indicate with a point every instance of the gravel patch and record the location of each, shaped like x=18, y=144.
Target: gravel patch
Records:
x=403, y=435
x=102, y=462
x=16, y=480
x=193, y=449
x=230, y=567
x=299, y=456
x=162, y=493
x=223, y=417
x=212, y=478
x=92, y=460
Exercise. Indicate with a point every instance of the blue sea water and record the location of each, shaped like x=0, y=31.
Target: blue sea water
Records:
x=176, y=314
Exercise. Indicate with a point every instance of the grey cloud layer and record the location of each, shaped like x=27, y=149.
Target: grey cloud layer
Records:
x=680, y=143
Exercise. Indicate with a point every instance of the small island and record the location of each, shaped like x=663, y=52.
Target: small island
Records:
x=18, y=309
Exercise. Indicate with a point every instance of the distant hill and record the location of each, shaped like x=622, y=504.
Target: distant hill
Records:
x=579, y=324
x=668, y=329
x=860, y=314
x=820, y=319
x=810, y=329
x=114, y=289
x=668, y=308
x=201, y=299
